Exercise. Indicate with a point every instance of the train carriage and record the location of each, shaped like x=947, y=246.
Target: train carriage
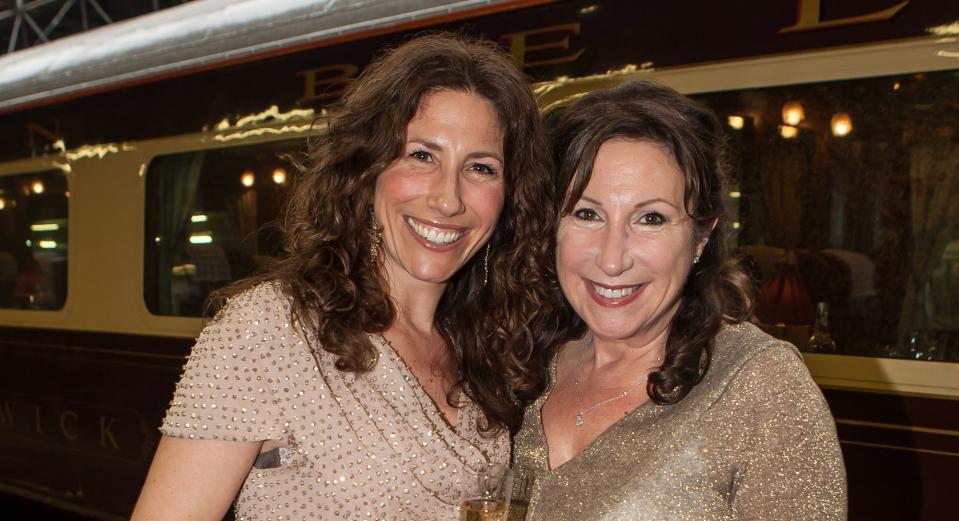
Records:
x=142, y=165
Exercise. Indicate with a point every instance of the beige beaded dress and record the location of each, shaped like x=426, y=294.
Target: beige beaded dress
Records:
x=369, y=446
x=754, y=440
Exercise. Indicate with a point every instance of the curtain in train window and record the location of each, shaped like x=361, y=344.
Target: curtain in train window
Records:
x=844, y=202
x=33, y=240
x=933, y=286
x=209, y=221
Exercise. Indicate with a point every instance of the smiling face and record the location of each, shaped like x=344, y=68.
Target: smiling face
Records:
x=624, y=252
x=438, y=203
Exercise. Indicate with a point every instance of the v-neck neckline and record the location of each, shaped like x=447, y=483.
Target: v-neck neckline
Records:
x=413, y=382
x=591, y=446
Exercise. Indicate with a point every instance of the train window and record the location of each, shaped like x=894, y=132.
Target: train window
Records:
x=845, y=206
x=209, y=218
x=33, y=240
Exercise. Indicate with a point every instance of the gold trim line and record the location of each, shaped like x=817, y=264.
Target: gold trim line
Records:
x=897, y=447
x=899, y=427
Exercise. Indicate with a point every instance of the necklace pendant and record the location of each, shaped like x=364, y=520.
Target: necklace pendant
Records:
x=579, y=420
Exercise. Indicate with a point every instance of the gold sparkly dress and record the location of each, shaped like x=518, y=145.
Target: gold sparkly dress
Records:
x=370, y=446
x=754, y=440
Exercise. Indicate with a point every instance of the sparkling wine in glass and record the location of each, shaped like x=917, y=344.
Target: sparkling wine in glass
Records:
x=488, y=500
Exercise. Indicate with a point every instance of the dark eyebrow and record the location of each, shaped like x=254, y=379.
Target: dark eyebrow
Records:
x=638, y=205
x=483, y=153
x=473, y=155
x=655, y=200
x=426, y=143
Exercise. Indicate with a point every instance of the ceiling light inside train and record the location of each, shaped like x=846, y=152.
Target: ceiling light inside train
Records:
x=793, y=113
x=201, y=239
x=3, y=204
x=247, y=179
x=37, y=187
x=47, y=245
x=736, y=122
x=279, y=176
x=788, y=131
x=198, y=218
x=44, y=227
x=841, y=124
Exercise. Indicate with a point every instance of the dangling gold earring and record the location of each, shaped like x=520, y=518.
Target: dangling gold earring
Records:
x=376, y=235
x=486, y=266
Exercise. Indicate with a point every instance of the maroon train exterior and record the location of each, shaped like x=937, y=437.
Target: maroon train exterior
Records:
x=79, y=408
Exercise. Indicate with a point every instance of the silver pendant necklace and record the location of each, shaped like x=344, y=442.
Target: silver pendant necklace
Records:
x=580, y=416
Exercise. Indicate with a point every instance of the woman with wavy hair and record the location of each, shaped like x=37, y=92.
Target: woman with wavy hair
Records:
x=666, y=404
x=389, y=352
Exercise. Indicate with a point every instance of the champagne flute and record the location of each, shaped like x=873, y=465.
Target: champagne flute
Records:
x=519, y=500
x=488, y=500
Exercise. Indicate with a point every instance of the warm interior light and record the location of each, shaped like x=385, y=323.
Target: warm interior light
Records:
x=788, y=132
x=841, y=124
x=588, y=9
x=201, y=217
x=736, y=225
x=37, y=187
x=735, y=195
x=793, y=113
x=47, y=245
x=44, y=227
x=247, y=179
x=3, y=204
x=279, y=176
x=896, y=86
x=736, y=122
x=201, y=239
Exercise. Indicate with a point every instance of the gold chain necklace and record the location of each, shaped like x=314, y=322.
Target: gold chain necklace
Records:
x=580, y=416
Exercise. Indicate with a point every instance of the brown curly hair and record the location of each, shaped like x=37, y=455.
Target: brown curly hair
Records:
x=496, y=334
x=717, y=290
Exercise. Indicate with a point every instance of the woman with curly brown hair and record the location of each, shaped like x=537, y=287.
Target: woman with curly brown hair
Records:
x=668, y=404
x=389, y=353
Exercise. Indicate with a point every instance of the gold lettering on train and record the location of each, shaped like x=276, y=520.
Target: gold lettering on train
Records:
x=7, y=409
x=324, y=83
x=69, y=433
x=808, y=16
x=38, y=429
x=520, y=48
x=106, y=434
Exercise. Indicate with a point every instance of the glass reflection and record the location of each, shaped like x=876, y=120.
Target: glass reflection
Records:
x=856, y=216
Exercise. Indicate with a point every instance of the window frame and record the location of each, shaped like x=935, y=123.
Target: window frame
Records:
x=926, y=54
x=230, y=137
x=46, y=317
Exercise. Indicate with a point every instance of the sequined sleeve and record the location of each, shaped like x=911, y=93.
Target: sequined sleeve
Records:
x=792, y=465
x=228, y=387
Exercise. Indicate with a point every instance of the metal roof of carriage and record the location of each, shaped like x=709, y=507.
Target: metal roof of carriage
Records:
x=197, y=35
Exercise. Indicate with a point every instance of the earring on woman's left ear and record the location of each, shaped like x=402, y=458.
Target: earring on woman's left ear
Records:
x=695, y=259
x=375, y=236
x=486, y=266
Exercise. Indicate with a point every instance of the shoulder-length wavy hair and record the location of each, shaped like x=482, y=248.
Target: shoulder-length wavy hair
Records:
x=716, y=290
x=495, y=333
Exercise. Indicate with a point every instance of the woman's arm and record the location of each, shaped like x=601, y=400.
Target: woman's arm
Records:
x=792, y=466
x=194, y=479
